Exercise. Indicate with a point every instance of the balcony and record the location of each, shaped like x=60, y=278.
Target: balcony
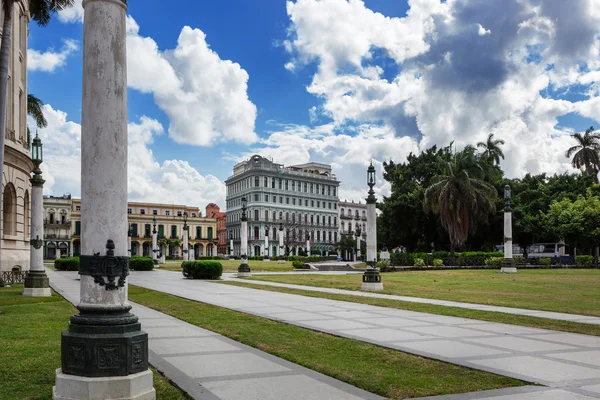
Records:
x=54, y=236
x=66, y=223
x=364, y=218
x=357, y=217
x=343, y=216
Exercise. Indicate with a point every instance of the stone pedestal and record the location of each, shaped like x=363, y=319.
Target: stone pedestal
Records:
x=185, y=244
x=104, y=353
x=36, y=282
x=508, y=266
x=155, y=248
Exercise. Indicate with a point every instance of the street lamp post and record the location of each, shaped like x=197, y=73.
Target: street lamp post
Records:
x=129, y=233
x=281, y=252
x=104, y=351
x=358, y=232
x=244, y=268
x=37, y=282
x=266, y=255
x=154, y=242
x=307, y=244
x=371, y=280
x=185, y=236
x=508, y=265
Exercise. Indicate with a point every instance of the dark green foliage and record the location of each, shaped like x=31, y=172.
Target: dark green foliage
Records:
x=138, y=263
x=312, y=258
x=208, y=258
x=466, y=259
x=584, y=261
x=67, y=264
x=204, y=269
x=300, y=265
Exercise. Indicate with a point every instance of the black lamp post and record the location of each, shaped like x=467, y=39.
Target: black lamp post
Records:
x=371, y=278
x=244, y=268
x=185, y=228
x=244, y=204
x=358, y=232
x=154, y=240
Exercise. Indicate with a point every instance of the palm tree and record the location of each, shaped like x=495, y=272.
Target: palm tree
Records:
x=492, y=150
x=586, y=152
x=40, y=11
x=34, y=109
x=460, y=196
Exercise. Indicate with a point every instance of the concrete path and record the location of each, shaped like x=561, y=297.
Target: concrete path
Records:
x=586, y=319
x=212, y=367
x=568, y=363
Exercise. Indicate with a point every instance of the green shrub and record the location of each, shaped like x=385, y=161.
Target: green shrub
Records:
x=168, y=257
x=205, y=269
x=138, y=263
x=419, y=262
x=300, y=265
x=545, y=261
x=438, y=263
x=440, y=254
x=67, y=264
x=494, y=261
x=519, y=260
x=584, y=261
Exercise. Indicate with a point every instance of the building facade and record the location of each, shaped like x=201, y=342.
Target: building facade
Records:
x=302, y=199
x=202, y=234
x=353, y=215
x=57, y=226
x=16, y=188
x=222, y=244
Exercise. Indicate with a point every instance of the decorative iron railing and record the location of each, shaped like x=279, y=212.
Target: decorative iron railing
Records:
x=13, y=277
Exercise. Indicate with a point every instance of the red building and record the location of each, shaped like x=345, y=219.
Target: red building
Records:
x=213, y=211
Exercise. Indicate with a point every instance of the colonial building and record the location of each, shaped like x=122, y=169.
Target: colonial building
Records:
x=169, y=225
x=302, y=199
x=353, y=215
x=57, y=226
x=16, y=187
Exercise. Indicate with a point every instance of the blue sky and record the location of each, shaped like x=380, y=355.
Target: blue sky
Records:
x=336, y=81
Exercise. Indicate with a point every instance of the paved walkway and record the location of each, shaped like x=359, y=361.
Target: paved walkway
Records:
x=212, y=367
x=568, y=363
x=586, y=319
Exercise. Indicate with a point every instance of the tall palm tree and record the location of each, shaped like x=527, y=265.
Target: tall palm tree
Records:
x=34, y=109
x=460, y=196
x=585, y=152
x=40, y=11
x=491, y=149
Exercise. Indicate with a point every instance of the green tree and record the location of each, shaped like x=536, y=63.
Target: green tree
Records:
x=585, y=152
x=34, y=109
x=491, y=149
x=346, y=245
x=460, y=196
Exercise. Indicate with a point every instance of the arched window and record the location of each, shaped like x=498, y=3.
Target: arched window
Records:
x=9, y=210
x=342, y=211
x=274, y=215
x=26, y=222
x=342, y=226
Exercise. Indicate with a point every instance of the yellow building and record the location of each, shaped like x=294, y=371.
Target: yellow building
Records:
x=16, y=187
x=202, y=232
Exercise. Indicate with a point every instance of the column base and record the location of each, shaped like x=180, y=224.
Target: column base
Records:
x=371, y=280
x=281, y=262
x=508, y=266
x=266, y=259
x=130, y=387
x=244, y=269
x=36, y=284
x=371, y=286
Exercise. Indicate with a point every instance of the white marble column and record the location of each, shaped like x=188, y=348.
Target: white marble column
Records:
x=36, y=281
x=307, y=247
x=281, y=249
x=357, y=257
x=231, y=253
x=266, y=251
x=104, y=227
x=185, y=245
x=509, y=263
x=244, y=268
x=155, y=247
x=371, y=233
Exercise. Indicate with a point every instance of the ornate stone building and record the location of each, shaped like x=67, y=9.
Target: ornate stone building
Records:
x=16, y=187
x=169, y=225
x=57, y=226
x=303, y=199
x=353, y=215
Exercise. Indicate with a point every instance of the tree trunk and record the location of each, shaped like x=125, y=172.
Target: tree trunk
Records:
x=4, y=59
x=452, y=253
x=596, y=251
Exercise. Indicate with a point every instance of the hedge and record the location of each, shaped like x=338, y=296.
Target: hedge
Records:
x=466, y=259
x=584, y=261
x=300, y=265
x=203, y=269
x=208, y=258
x=67, y=264
x=311, y=258
x=138, y=263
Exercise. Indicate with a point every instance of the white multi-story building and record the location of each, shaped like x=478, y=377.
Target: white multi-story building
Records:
x=302, y=199
x=57, y=226
x=353, y=215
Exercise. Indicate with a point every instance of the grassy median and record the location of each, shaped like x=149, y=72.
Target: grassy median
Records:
x=232, y=266
x=30, y=330
x=380, y=370
x=562, y=290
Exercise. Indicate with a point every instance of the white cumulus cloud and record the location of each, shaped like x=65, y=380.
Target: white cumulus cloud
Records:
x=51, y=59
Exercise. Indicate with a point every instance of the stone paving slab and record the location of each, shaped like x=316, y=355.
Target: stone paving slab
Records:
x=209, y=366
x=508, y=310
x=522, y=353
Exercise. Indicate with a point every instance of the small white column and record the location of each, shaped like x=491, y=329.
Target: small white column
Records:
x=371, y=278
x=307, y=247
x=185, y=245
x=244, y=268
x=231, y=253
x=266, y=250
x=357, y=257
x=155, y=248
x=281, y=249
x=508, y=266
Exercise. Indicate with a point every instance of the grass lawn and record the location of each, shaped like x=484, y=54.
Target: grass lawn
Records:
x=387, y=372
x=232, y=266
x=30, y=353
x=523, y=320
x=562, y=290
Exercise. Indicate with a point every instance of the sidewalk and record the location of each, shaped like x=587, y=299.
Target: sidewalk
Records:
x=569, y=363
x=586, y=319
x=212, y=367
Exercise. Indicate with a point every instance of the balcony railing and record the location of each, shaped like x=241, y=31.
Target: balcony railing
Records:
x=58, y=237
x=57, y=222
x=343, y=216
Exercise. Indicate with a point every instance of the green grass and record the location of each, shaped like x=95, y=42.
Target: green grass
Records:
x=384, y=371
x=30, y=330
x=566, y=290
x=523, y=320
x=232, y=266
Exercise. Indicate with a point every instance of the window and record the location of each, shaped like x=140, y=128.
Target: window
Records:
x=167, y=213
x=198, y=232
x=179, y=214
x=287, y=200
x=318, y=204
x=305, y=187
x=311, y=188
x=161, y=231
x=293, y=217
x=286, y=184
x=142, y=211
x=287, y=217
x=280, y=199
x=312, y=203
x=147, y=231
x=318, y=236
x=173, y=231
x=323, y=193
x=210, y=232
x=329, y=221
x=134, y=230
x=334, y=221
x=78, y=228
x=266, y=215
x=194, y=215
x=266, y=198
x=335, y=237
x=306, y=218
x=266, y=182
x=129, y=210
x=77, y=208
x=256, y=215
x=280, y=215
x=256, y=235
x=335, y=206
x=334, y=191
x=306, y=202
x=9, y=210
x=256, y=181
x=329, y=194
x=293, y=185
x=312, y=219
x=329, y=205
x=255, y=196
x=294, y=201
x=272, y=183
x=280, y=183
x=274, y=215
x=155, y=212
